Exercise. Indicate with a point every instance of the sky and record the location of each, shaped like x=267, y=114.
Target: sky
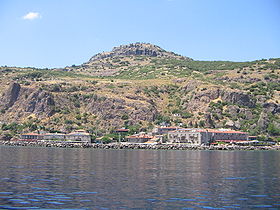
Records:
x=59, y=33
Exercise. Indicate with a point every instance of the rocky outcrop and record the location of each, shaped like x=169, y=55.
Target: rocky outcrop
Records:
x=190, y=85
x=118, y=110
x=40, y=102
x=21, y=101
x=210, y=122
x=201, y=98
x=11, y=95
x=272, y=108
x=237, y=97
x=263, y=121
x=137, y=49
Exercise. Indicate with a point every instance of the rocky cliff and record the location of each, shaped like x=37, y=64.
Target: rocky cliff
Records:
x=20, y=102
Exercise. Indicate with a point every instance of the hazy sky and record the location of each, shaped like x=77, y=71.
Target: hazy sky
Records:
x=57, y=33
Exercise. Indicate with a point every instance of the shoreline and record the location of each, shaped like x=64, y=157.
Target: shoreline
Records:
x=136, y=146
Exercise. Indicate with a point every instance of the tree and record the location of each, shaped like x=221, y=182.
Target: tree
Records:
x=106, y=140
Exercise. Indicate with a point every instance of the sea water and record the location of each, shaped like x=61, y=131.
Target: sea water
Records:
x=56, y=178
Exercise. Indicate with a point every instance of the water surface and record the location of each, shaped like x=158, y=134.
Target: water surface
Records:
x=55, y=178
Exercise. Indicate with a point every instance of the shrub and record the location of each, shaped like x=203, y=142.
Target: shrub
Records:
x=186, y=115
x=273, y=130
x=125, y=117
x=201, y=123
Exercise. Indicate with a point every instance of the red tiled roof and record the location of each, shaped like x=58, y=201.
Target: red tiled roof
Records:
x=52, y=134
x=31, y=134
x=140, y=137
x=228, y=140
x=168, y=127
x=230, y=131
x=122, y=130
x=78, y=134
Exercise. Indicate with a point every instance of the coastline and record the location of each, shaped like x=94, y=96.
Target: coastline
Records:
x=130, y=146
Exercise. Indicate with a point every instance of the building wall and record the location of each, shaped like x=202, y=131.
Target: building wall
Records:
x=33, y=137
x=138, y=140
x=230, y=136
x=163, y=130
x=78, y=137
x=54, y=136
x=187, y=137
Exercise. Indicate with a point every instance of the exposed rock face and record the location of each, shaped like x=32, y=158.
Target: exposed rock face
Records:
x=115, y=110
x=231, y=96
x=272, y=108
x=191, y=85
x=263, y=121
x=40, y=102
x=239, y=98
x=137, y=49
x=11, y=95
x=209, y=121
x=201, y=98
x=20, y=102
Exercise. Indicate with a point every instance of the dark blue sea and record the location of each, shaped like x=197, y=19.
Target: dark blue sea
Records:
x=54, y=178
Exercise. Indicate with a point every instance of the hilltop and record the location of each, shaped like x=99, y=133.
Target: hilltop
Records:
x=137, y=49
x=139, y=86
x=125, y=58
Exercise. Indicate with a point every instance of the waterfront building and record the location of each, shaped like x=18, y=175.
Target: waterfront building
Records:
x=163, y=130
x=79, y=135
x=54, y=136
x=76, y=136
x=205, y=136
x=139, y=138
x=226, y=135
x=191, y=136
x=31, y=136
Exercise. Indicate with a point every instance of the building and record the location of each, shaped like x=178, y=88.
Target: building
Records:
x=139, y=138
x=31, y=136
x=78, y=135
x=205, y=136
x=191, y=136
x=163, y=130
x=226, y=135
x=252, y=138
x=122, y=130
x=54, y=136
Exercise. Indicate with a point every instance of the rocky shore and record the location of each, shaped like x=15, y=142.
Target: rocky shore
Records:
x=137, y=146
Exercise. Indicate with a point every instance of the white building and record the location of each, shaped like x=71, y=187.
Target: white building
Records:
x=191, y=136
x=79, y=135
x=205, y=136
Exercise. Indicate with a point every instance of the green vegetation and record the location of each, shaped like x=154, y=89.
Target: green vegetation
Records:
x=168, y=68
x=40, y=74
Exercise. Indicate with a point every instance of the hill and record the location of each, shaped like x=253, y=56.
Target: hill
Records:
x=141, y=85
